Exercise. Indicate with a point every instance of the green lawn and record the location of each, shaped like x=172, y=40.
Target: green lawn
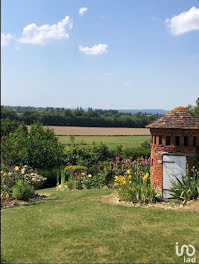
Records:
x=110, y=141
x=77, y=227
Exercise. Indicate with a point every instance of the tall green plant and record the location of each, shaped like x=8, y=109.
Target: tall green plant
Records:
x=186, y=188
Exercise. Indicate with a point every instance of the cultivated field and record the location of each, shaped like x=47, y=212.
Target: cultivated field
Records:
x=111, y=141
x=99, y=131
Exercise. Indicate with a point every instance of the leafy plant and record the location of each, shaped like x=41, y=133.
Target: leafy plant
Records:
x=186, y=188
x=70, y=184
x=136, y=192
x=93, y=181
x=22, y=191
x=38, y=148
x=134, y=183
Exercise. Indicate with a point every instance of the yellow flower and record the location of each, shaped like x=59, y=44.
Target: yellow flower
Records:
x=122, y=179
x=130, y=176
x=4, y=174
x=146, y=176
x=16, y=168
x=116, y=184
x=128, y=171
x=116, y=178
x=23, y=171
x=130, y=181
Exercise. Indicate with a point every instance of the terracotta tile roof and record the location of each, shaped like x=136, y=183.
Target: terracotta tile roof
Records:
x=180, y=117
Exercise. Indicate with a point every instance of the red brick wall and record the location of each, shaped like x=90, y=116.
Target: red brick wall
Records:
x=156, y=158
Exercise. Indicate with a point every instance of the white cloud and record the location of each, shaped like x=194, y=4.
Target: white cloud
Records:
x=82, y=10
x=5, y=38
x=95, y=50
x=40, y=35
x=184, y=22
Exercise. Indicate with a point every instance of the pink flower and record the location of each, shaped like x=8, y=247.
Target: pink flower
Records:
x=131, y=157
x=126, y=165
x=117, y=158
x=100, y=166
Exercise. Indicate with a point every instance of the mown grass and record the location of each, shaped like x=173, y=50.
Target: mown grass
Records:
x=77, y=227
x=110, y=141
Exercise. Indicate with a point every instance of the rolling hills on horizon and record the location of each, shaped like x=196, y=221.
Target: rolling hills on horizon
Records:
x=133, y=111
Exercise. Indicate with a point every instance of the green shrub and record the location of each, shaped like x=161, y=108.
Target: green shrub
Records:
x=38, y=148
x=93, y=181
x=45, y=150
x=186, y=188
x=75, y=168
x=87, y=155
x=22, y=191
x=137, y=193
x=15, y=147
x=93, y=169
x=146, y=144
x=70, y=183
x=136, y=152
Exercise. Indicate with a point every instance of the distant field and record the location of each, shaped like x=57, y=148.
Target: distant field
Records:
x=99, y=131
x=110, y=141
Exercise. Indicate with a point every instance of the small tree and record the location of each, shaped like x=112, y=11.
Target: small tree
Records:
x=39, y=148
x=45, y=150
x=14, y=149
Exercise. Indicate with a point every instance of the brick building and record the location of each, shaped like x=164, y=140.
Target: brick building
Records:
x=174, y=147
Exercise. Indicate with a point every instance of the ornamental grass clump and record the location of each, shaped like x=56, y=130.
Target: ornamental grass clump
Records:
x=186, y=188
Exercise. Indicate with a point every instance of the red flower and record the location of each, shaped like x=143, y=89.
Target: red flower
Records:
x=112, y=163
x=117, y=158
x=126, y=165
x=100, y=166
x=131, y=157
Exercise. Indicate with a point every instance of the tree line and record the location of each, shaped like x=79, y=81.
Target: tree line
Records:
x=78, y=117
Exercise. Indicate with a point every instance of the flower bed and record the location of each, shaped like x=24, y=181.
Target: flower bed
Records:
x=19, y=183
x=132, y=180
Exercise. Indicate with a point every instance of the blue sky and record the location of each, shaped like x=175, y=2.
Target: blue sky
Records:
x=130, y=54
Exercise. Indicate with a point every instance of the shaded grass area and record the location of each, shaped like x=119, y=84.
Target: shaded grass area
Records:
x=111, y=141
x=77, y=227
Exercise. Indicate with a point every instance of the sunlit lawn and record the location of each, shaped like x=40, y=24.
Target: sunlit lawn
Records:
x=110, y=141
x=77, y=227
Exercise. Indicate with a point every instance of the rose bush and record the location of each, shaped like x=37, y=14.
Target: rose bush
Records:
x=10, y=176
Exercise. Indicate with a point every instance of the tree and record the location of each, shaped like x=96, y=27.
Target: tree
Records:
x=8, y=126
x=14, y=148
x=196, y=109
x=45, y=151
x=39, y=148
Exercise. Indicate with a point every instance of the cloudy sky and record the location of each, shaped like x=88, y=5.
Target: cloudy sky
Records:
x=130, y=54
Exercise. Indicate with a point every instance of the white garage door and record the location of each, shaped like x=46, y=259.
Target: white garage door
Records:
x=173, y=166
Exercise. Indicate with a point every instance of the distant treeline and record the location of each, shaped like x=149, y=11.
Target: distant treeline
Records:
x=78, y=117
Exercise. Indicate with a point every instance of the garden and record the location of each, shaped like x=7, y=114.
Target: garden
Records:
x=61, y=203
x=34, y=159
